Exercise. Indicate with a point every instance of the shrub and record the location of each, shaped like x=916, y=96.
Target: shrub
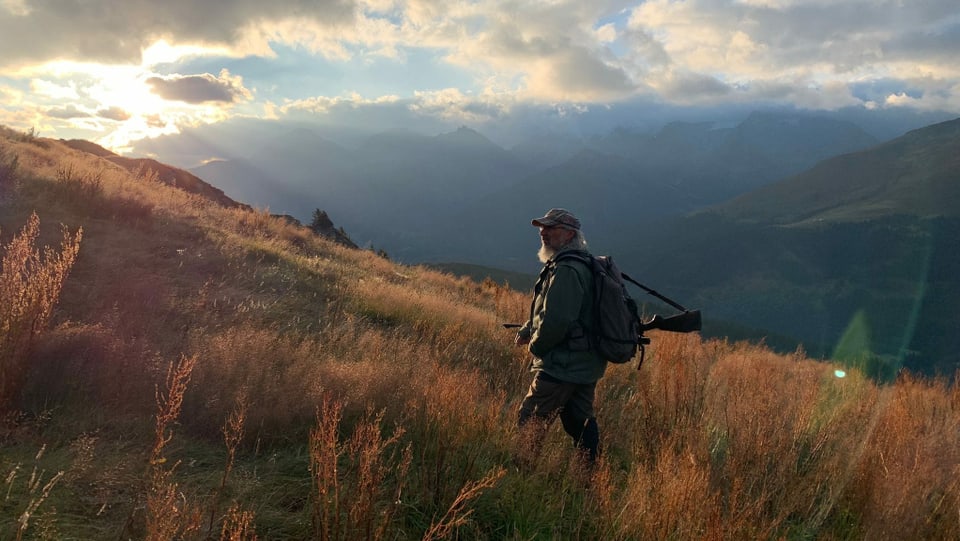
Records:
x=130, y=211
x=85, y=183
x=30, y=286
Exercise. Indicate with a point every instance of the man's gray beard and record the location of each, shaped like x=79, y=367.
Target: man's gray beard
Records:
x=546, y=253
x=576, y=243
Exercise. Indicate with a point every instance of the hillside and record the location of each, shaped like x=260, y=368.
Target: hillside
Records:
x=172, y=176
x=916, y=174
x=861, y=244
x=220, y=372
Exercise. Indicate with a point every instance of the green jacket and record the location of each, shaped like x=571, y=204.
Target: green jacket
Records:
x=558, y=339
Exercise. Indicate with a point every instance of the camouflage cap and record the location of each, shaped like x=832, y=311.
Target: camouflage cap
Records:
x=558, y=217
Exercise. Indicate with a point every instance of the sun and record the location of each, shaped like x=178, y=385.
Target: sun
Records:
x=117, y=101
x=129, y=92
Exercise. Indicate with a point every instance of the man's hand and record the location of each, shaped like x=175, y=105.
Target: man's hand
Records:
x=523, y=338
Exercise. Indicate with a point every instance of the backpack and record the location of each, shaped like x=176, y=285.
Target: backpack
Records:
x=615, y=333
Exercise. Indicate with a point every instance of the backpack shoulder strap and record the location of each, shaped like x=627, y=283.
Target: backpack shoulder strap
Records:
x=577, y=255
x=549, y=266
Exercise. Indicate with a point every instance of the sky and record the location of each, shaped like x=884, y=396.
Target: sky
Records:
x=121, y=71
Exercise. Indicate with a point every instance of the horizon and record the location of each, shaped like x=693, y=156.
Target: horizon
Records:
x=119, y=75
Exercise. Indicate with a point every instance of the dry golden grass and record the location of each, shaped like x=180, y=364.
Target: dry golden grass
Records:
x=358, y=483
x=357, y=398
x=30, y=285
x=36, y=487
x=168, y=515
x=238, y=525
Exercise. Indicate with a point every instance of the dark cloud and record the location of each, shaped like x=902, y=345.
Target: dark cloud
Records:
x=582, y=74
x=198, y=88
x=67, y=112
x=117, y=31
x=114, y=113
x=941, y=44
x=485, y=110
x=694, y=87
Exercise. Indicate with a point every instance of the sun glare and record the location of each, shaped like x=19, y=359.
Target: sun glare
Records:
x=116, y=100
x=162, y=52
x=99, y=86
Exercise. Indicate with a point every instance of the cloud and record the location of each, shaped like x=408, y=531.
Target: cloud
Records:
x=67, y=112
x=543, y=51
x=472, y=61
x=17, y=8
x=452, y=105
x=808, y=43
x=10, y=96
x=114, y=113
x=155, y=121
x=577, y=74
x=53, y=90
x=692, y=87
x=778, y=36
x=938, y=45
x=116, y=32
x=196, y=89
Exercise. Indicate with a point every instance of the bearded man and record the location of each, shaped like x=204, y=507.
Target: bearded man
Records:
x=566, y=368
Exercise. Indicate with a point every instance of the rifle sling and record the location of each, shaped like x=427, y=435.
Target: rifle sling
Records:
x=654, y=293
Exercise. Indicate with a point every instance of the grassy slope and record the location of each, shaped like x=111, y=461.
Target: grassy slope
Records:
x=401, y=378
x=914, y=175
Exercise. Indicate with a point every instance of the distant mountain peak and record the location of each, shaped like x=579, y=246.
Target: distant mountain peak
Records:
x=465, y=136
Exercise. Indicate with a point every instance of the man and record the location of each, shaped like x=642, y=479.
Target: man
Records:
x=565, y=366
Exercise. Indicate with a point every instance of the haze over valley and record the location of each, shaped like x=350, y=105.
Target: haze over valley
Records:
x=798, y=227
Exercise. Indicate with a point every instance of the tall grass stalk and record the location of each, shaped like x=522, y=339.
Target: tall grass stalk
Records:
x=232, y=436
x=352, y=480
x=168, y=515
x=35, y=487
x=457, y=514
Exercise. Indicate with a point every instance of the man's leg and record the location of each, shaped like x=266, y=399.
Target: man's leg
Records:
x=545, y=398
x=580, y=422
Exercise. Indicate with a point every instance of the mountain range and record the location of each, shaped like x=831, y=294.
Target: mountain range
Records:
x=802, y=228
x=393, y=189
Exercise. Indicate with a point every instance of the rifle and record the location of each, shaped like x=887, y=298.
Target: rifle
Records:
x=688, y=321
x=684, y=322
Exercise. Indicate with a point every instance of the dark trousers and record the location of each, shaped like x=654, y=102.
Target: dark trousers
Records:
x=548, y=398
